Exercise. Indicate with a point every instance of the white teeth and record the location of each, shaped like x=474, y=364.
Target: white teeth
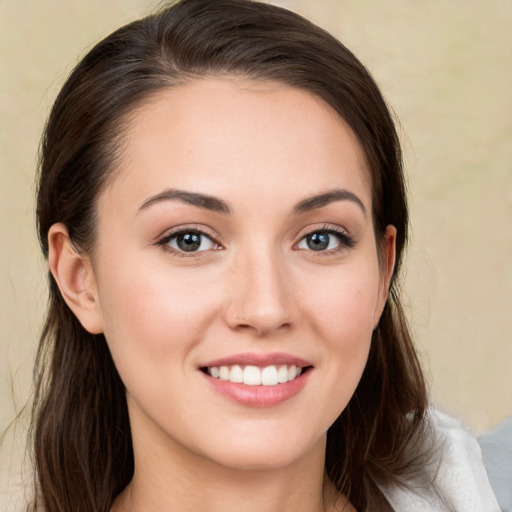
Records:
x=254, y=376
x=224, y=373
x=269, y=376
x=282, y=374
x=236, y=374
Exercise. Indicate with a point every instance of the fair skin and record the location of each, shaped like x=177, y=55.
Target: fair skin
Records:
x=237, y=231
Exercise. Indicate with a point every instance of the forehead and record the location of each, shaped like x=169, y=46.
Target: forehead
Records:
x=214, y=134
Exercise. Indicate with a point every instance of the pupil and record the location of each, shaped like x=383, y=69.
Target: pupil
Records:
x=189, y=242
x=318, y=241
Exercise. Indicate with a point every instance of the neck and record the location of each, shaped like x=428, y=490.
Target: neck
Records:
x=170, y=477
x=247, y=491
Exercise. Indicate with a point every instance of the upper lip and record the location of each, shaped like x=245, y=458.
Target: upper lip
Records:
x=261, y=360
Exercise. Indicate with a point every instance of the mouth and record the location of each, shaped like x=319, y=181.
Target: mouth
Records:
x=258, y=380
x=250, y=375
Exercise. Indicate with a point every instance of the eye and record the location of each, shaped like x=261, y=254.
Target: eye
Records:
x=325, y=240
x=189, y=241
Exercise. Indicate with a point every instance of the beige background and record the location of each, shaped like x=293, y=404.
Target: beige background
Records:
x=445, y=67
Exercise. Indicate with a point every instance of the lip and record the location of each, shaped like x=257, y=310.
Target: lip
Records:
x=261, y=360
x=258, y=396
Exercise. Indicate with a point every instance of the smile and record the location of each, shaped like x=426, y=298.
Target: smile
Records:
x=254, y=376
x=258, y=380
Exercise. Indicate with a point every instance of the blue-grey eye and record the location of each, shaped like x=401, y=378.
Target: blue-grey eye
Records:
x=191, y=241
x=320, y=241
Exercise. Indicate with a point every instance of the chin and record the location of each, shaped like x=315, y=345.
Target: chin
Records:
x=266, y=454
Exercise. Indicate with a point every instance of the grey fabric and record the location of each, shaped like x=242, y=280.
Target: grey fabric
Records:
x=496, y=448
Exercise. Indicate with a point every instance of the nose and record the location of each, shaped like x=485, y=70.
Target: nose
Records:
x=260, y=296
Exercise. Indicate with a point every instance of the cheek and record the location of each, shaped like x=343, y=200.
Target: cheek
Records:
x=152, y=314
x=341, y=317
x=342, y=306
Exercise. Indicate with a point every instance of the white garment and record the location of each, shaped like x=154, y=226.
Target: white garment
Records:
x=460, y=477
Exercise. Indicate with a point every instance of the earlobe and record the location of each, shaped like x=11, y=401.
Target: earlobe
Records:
x=387, y=266
x=75, y=277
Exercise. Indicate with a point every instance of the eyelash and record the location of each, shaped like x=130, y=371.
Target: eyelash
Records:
x=346, y=241
x=165, y=241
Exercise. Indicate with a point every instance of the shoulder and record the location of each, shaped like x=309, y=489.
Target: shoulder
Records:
x=454, y=480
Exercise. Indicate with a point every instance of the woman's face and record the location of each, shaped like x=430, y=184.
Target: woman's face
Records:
x=236, y=242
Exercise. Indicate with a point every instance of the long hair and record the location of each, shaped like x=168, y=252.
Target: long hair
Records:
x=81, y=433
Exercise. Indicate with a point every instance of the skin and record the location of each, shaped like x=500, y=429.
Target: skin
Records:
x=257, y=287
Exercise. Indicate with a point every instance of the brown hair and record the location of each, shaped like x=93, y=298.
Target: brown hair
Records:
x=81, y=432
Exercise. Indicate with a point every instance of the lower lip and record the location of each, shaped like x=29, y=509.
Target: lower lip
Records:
x=258, y=396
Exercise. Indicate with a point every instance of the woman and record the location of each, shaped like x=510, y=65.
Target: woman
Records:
x=222, y=205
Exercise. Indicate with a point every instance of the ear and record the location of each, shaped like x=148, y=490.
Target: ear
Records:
x=387, y=265
x=75, y=277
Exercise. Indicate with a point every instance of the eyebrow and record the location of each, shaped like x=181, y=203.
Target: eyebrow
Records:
x=320, y=200
x=218, y=205
x=193, y=198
